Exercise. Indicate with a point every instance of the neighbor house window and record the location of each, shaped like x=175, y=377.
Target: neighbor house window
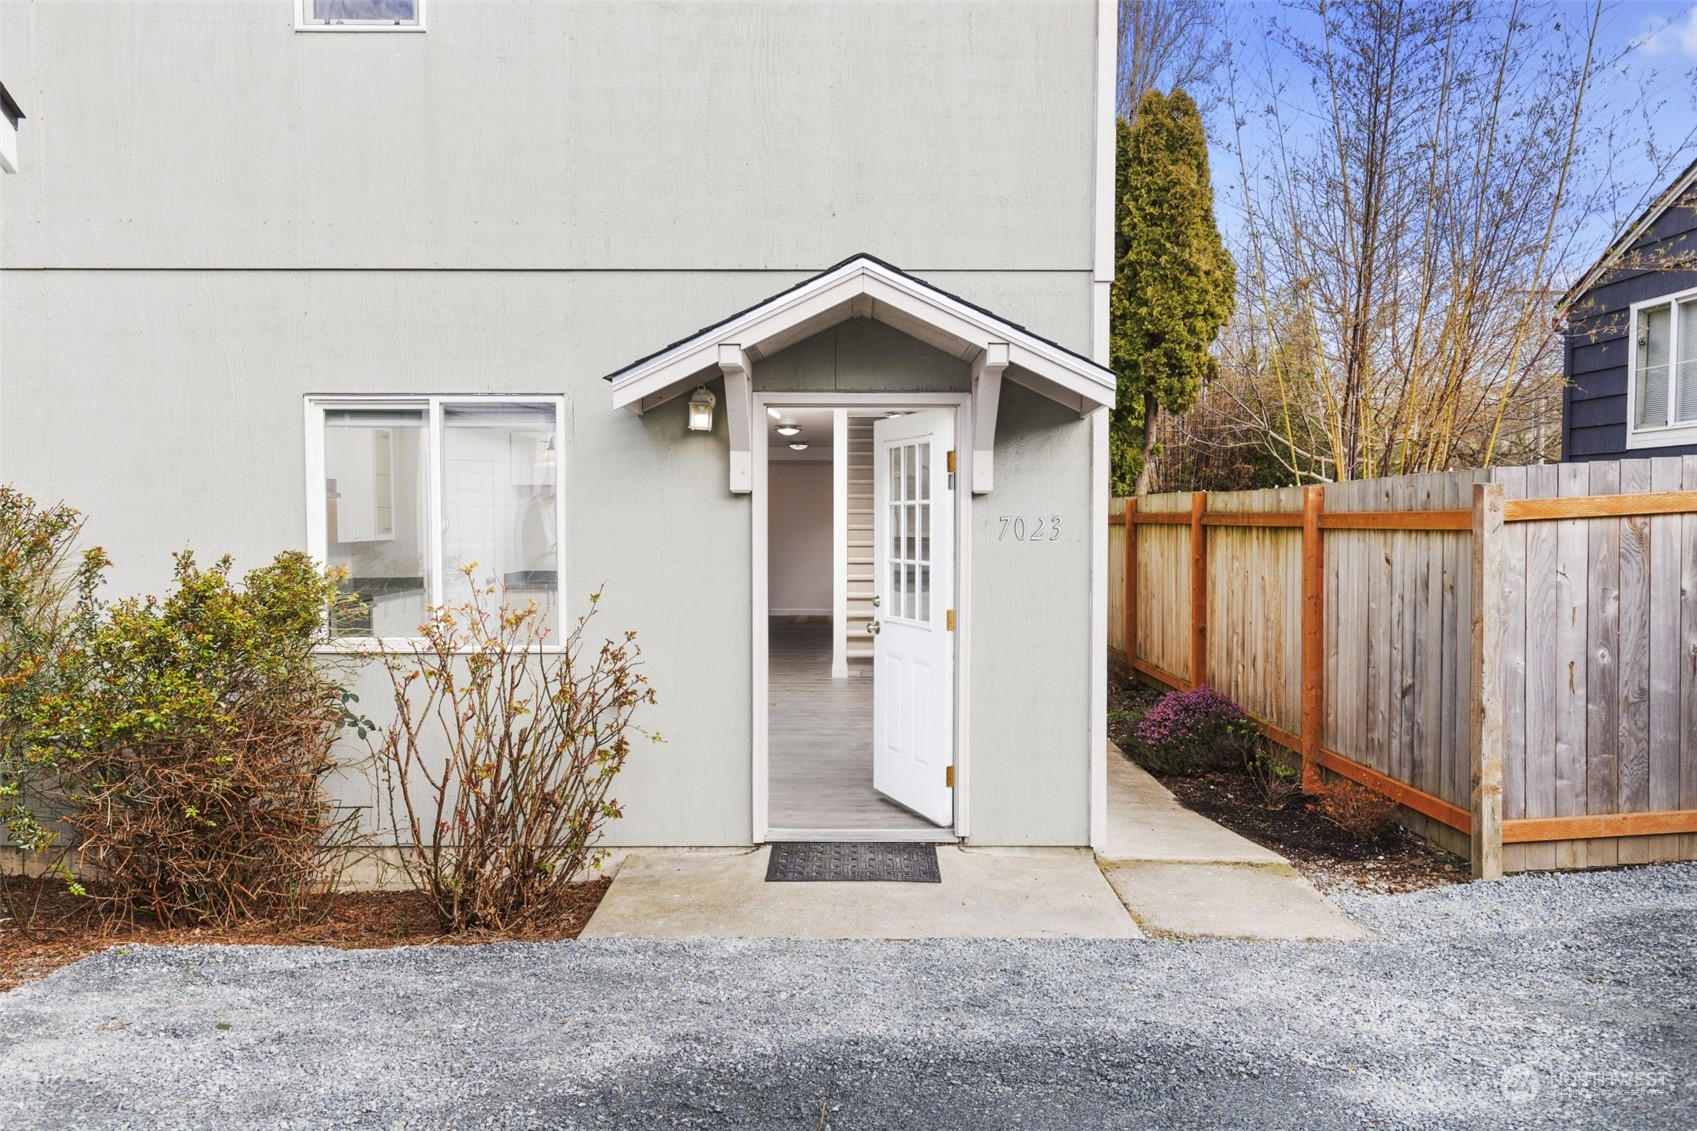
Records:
x=1664, y=371
x=421, y=499
x=359, y=15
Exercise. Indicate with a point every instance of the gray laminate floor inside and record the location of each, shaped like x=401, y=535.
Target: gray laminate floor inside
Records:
x=820, y=739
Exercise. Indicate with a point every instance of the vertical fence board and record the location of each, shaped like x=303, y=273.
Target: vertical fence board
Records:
x=1602, y=678
x=1573, y=579
x=1543, y=675
x=1116, y=588
x=1632, y=703
x=1485, y=692
x=1454, y=651
x=1686, y=658
x=1666, y=554
x=1511, y=595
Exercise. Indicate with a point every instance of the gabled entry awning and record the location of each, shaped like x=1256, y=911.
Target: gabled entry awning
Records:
x=864, y=287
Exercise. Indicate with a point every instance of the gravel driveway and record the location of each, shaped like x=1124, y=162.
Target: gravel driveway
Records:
x=1567, y=1000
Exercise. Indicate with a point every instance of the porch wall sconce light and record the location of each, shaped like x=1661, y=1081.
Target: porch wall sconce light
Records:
x=701, y=404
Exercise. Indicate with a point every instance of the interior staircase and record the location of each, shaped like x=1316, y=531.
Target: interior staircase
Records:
x=860, y=610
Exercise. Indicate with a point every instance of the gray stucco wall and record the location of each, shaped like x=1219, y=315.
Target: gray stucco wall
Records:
x=219, y=216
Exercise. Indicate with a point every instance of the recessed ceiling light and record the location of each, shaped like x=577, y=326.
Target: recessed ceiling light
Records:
x=774, y=414
x=798, y=447
x=788, y=430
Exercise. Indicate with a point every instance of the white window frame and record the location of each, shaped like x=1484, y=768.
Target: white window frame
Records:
x=317, y=508
x=1673, y=433
x=305, y=22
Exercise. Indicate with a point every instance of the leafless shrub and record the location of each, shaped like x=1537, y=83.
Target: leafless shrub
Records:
x=1357, y=810
x=501, y=755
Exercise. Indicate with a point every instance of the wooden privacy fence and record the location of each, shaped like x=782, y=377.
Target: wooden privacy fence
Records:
x=1510, y=654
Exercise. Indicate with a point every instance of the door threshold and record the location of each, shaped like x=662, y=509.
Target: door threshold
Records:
x=935, y=836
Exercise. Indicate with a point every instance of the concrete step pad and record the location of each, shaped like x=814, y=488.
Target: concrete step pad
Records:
x=985, y=893
x=1229, y=901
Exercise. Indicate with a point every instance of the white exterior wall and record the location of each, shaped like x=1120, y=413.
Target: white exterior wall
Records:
x=218, y=216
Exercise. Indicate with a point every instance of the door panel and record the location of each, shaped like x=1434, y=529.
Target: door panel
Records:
x=913, y=649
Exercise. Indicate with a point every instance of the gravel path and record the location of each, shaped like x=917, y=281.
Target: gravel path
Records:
x=1563, y=1001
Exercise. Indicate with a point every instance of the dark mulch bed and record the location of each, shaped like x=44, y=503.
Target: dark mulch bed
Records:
x=44, y=927
x=1396, y=861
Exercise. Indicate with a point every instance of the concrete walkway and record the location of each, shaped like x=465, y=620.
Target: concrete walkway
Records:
x=986, y=893
x=1182, y=875
x=1178, y=874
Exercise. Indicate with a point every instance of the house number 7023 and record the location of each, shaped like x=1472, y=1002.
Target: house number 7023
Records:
x=1034, y=530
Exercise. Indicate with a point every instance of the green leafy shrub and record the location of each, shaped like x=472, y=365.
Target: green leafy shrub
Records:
x=194, y=744
x=501, y=755
x=48, y=613
x=1193, y=732
x=1278, y=782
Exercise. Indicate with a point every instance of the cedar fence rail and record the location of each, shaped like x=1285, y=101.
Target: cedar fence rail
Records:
x=1509, y=654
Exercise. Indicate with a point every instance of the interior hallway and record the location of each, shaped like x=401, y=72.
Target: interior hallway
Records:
x=820, y=739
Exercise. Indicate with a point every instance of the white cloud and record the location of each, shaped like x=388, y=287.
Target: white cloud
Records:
x=1676, y=36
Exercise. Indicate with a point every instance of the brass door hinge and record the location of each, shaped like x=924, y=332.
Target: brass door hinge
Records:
x=949, y=776
x=951, y=462
x=949, y=620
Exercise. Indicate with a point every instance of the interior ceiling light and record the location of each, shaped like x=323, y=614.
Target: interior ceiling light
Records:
x=788, y=430
x=774, y=414
x=798, y=447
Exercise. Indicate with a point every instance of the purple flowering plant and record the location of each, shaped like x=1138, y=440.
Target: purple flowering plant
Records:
x=1191, y=732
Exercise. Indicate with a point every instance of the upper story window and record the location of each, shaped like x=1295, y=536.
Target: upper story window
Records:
x=421, y=498
x=1663, y=385
x=359, y=15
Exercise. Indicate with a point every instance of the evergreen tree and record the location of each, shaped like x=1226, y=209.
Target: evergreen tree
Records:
x=1173, y=278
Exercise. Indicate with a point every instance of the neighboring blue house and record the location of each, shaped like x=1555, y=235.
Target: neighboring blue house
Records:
x=1631, y=338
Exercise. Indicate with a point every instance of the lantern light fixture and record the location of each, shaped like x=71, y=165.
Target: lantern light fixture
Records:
x=701, y=404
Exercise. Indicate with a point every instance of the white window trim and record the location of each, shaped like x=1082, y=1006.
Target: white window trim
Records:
x=1656, y=435
x=317, y=510
x=304, y=22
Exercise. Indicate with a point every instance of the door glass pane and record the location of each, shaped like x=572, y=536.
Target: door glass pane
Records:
x=374, y=506
x=1685, y=393
x=924, y=592
x=498, y=514
x=924, y=532
x=924, y=471
x=1655, y=329
x=895, y=550
x=909, y=605
x=909, y=468
x=910, y=544
x=895, y=473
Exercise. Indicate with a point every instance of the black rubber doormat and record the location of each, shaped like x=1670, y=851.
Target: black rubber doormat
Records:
x=843, y=860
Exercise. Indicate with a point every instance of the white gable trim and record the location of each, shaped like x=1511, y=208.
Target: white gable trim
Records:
x=863, y=287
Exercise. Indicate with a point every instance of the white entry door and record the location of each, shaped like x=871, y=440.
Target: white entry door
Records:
x=913, y=526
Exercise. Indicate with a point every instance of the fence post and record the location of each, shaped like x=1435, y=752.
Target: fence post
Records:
x=1313, y=637
x=1131, y=583
x=1198, y=590
x=1487, y=717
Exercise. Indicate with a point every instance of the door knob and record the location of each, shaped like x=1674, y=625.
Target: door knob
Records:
x=873, y=628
